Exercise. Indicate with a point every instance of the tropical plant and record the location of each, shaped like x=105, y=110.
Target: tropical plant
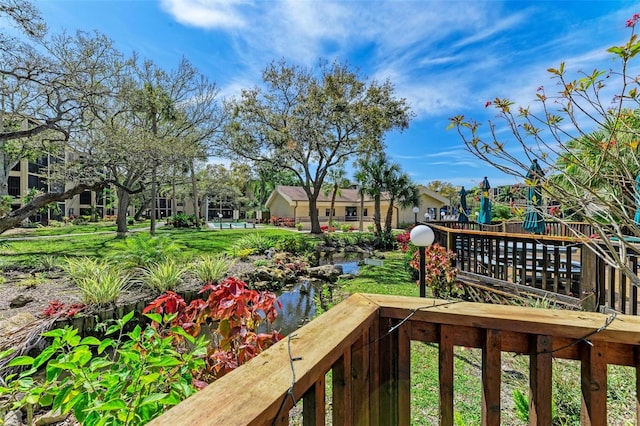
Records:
x=440, y=274
x=234, y=314
x=256, y=241
x=124, y=379
x=212, y=268
x=79, y=268
x=163, y=276
x=104, y=287
x=142, y=250
x=182, y=220
x=294, y=244
x=335, y=181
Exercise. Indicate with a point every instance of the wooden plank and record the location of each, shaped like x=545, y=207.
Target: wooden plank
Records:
x=360, y=401
x=540, y=383
x=387, y=392
x=636, y=354
x=404, y=374
x=491, y=375
x=622, y=329
x=593, y=383
x=374, y=382
x=342, y=390
x=445, y=356
x=314, y=347
x=313, y=404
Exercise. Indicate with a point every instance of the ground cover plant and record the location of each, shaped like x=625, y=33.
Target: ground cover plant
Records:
x=128, y=378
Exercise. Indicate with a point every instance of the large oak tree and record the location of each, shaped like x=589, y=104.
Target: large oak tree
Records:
x=310, y=120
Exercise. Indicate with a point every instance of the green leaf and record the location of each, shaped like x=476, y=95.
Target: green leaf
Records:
x=154, y=317
x=21, y=360
x=153, y=398
x=106, y=343
x=58, y=332
x=90, y=340
x=64, y=365
x=44, y=356
x=149, y=378
x=126, y=318
x=114, y=404
x=46, y=400
x=100, y=363
x=6, y=353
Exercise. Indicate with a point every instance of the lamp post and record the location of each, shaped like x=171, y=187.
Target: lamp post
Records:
x=415, y=214
x=361, y=192
x=422, y=236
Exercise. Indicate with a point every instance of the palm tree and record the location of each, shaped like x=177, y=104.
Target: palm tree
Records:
x=372, y=175
x=402, y=191
x=334, y=182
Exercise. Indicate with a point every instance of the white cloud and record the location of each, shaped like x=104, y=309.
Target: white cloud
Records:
x=208, y=14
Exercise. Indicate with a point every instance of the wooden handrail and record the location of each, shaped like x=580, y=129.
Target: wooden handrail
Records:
x=365, y=342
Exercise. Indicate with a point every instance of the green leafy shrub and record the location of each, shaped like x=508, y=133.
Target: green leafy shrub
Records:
x=131, y=221
x=125, y=379
x=182, y=220
x=211, y=269
x=440, y=275
x=48, y=262
x=79, y=268
x=105, y=287
x=256, y=241
x=142, y=250
x=163, y=276
x=99, y=281
x=294, y=244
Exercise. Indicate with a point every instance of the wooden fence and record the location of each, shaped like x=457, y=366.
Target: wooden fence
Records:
x=561, y=264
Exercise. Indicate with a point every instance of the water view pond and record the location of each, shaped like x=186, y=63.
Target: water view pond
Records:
x=298, y=306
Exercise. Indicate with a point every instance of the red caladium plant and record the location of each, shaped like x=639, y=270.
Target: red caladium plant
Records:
x=233, y=313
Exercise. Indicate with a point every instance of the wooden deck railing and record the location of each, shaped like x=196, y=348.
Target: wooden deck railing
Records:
x=365, y=343
x=560, y=264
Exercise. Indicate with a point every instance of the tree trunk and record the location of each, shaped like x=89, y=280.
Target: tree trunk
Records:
x=333, y=203
x=174, y=209
x=123, y=206
x=388, y=219
x=313, y=215
x=377, y=214
x=194, y=191
x=154, y=196
x=143, y=206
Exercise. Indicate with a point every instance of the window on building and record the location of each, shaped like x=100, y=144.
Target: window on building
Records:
x=17, y=167
x=365, y=212
x=85, y=197
x=327, y=212
x=14, y=186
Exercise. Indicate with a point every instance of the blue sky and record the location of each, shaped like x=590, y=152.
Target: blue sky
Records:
x=445, y=57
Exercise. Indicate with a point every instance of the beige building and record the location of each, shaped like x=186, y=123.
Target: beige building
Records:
x=33, y=174
x=291, y=202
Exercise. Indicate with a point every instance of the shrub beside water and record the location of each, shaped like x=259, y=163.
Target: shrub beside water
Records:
x=211, y=269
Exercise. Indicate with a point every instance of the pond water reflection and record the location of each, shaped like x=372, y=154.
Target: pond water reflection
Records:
x=298, y=303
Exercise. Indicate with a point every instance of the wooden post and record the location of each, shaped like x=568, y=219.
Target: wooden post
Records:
x=593, y=383
x=491, y=374
x=540, y=384
x=445, y=349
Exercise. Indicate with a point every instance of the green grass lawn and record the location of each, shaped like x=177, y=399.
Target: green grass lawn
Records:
x=195, y=243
